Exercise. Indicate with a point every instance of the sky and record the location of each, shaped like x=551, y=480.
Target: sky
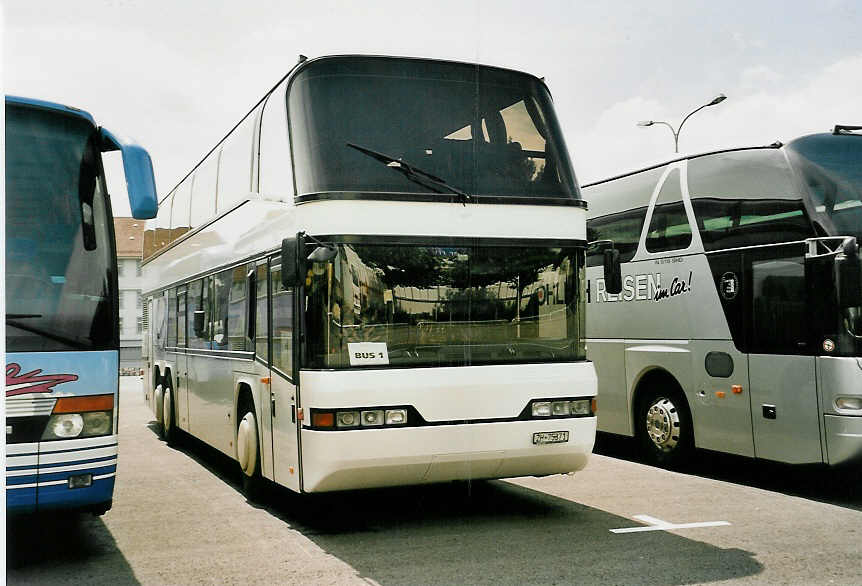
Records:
x=177, y=75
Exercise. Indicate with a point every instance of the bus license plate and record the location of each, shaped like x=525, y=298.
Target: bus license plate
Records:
x=550, y=437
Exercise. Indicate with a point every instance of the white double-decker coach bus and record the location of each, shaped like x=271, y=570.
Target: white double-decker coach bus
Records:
x=377, y=278
x=739, y=324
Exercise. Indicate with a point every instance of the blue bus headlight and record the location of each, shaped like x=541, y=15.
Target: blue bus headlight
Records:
x=64, y=426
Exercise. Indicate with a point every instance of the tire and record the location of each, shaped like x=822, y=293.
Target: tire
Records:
x=158, y=405
x=168, y=427
x=248, y=456
x=664, y=427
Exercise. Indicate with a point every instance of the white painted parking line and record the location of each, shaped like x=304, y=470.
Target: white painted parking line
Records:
x=659, y=525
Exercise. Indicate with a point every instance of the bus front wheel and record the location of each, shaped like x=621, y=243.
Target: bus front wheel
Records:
x=664, y=428
x=248, y=455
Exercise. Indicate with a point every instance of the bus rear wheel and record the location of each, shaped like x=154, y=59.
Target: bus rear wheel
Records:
x=168, y=424
x=248, y=455
x=664, y=428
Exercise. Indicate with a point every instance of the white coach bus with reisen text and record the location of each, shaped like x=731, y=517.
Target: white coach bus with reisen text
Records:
x=739, y=324
x=377, y=278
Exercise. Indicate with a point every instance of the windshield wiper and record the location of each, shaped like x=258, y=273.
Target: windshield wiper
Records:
x=21, y=315
x=413, y=173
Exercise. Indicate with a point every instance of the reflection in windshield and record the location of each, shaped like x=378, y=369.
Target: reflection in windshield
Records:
x=486, y=131
x=58, y=286
x=439, y=306
x=831, y=167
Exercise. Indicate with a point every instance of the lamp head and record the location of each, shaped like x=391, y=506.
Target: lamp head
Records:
x=717, y=100
x=646, y=123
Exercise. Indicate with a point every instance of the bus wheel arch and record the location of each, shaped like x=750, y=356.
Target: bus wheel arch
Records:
x=248, y=444
x=662, y=419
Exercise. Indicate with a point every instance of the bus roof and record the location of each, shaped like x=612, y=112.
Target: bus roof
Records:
x=774, y=145
x=32, y=102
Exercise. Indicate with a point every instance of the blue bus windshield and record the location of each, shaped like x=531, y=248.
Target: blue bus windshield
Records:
x=59, y=283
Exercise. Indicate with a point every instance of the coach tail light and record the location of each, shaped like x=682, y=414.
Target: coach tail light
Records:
x=78, y=417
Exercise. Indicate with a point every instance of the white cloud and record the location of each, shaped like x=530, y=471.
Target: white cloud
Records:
x=748, y=117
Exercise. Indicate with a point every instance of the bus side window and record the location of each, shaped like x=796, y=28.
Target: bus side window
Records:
x=220, y=313
x=282, y=323
x=236, y=309
x=181, y=317
x=172, y=318
x=623, y=228
x=198, y=313
x=261, y=338
x=669, y=228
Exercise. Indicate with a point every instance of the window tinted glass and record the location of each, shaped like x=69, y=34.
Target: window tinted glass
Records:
x=669, y=229
x=282, y=324
x=172, y=317
x=617, y=211
x=779, y=316
x=221, y=290
x=204, y=191
x=447, y=306
x=181, y=317
x=276, y=175
x=198, y=314
x=261, y=342
x=59, y=282
x=237, y=311
x=746, y=198
x=485, y=131
x=234, y=183
x=831, y=167
x=180, y=210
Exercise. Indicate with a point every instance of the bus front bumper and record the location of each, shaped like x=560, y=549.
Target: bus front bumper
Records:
x=366, y=458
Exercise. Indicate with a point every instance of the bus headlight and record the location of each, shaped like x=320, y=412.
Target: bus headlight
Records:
x=77, y=417
x=396, y=416
x=582, y=407
x=541, y=409
x=347, y=419
x=559, y=408
x=66, y=425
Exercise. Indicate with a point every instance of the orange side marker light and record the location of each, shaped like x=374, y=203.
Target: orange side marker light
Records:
x=737, y=389
x=720, y=394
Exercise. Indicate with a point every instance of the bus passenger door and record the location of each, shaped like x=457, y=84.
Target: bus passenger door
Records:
x=782, y=377
x=285, y=445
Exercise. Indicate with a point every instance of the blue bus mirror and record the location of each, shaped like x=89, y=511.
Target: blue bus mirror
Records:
x=138, y=168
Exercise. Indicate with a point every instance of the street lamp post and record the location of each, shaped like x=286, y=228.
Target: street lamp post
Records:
x=716, y=100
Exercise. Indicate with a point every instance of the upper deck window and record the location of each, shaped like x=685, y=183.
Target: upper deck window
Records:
x=746, y=198
x=484, y=131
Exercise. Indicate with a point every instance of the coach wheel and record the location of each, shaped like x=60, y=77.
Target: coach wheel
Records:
x=248, y=455
x=157, y=403
x=665, y=430
x=168, y=427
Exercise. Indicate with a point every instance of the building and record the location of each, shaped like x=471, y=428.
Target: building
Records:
x=129, y=234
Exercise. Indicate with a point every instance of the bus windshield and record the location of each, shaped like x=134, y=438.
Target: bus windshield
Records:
x=59, y=253
x=480, y=130
x=831, y=167
x=447, y=305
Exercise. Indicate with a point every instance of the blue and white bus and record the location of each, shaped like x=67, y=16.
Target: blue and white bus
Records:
x=62, y=336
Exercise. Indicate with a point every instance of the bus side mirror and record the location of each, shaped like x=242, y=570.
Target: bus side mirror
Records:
x=849, y=271
x=138, y=168
x=289, y=267
x=198, y=323
x=613, y=271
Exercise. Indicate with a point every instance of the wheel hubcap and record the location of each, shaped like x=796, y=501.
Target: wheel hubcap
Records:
x=662, y=424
